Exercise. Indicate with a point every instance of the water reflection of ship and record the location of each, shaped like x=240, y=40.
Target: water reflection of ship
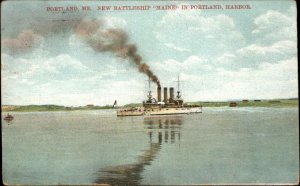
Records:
x=159, y=130
x=165, y=126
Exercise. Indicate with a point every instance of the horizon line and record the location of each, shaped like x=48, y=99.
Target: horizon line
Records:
x=141, y=102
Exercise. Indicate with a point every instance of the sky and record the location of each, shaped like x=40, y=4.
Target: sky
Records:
x=220, y=55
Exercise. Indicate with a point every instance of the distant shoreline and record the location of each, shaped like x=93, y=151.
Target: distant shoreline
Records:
x=292, y=102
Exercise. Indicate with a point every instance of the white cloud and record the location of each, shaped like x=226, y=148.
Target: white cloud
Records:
x=64, y=80
x=198, y=33
x=274, y=40
x=253, y=55
x=63, y=63
x=285, y=69
x=273, y=26
x=69, y=92
x=280, y=47
x=113, y=22
x=271, y=19
x=264, y=69
x=266, y=81
x=226, y=58
x=191, y=64
x=26, y=74
x=177, y=48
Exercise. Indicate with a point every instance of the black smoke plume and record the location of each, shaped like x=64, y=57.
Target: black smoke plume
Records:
x=115, y=41
x=93, y=31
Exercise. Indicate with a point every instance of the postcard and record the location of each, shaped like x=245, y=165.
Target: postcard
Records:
x=149, y=92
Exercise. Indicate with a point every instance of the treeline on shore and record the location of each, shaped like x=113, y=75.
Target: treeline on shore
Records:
x=292, y=102
x=32, y=108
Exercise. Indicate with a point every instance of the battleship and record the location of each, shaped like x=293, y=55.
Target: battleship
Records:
x=168, y=106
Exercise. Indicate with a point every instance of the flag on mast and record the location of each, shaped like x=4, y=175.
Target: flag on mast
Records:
x=115, y=103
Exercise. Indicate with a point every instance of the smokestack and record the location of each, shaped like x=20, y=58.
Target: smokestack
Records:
x=171, y=95
x=159, y=94
x=165, y=94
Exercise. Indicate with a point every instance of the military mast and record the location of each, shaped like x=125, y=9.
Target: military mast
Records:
x=179, y=100
x=178, y=88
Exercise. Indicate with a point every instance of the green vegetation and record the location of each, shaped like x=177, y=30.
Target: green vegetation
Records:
x=293, y=102
x=29, y=108
x=209, y=104
x=34, y=108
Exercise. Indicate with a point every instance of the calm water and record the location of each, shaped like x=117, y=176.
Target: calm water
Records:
x=221, y=145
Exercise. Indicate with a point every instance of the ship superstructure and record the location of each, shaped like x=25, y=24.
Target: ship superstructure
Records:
x=166, y=106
